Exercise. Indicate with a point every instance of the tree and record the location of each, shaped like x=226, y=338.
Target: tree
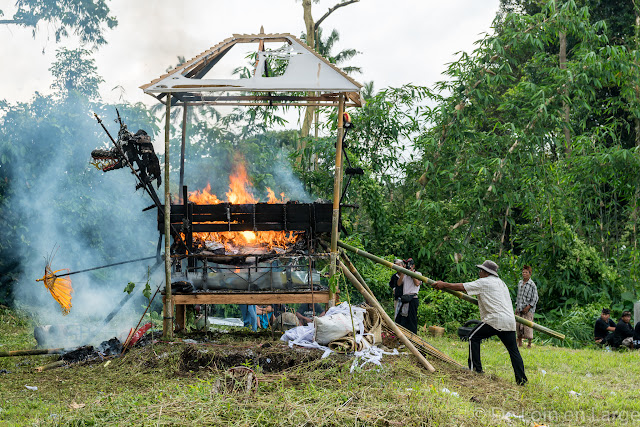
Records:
x=75, y=73
x=311, y=37
x=325, y=48
x=496, y=182
x=85, y=18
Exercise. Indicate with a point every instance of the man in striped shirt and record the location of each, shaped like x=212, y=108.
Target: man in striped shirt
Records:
x=526, y=301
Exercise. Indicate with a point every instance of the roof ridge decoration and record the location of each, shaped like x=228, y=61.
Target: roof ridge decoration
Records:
x=306, y=71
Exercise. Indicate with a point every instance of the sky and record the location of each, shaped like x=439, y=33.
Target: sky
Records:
x=400, y=42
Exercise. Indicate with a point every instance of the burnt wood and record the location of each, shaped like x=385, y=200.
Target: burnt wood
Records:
x=312, y=217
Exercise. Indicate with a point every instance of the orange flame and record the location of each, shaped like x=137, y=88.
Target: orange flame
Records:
x=239, y=193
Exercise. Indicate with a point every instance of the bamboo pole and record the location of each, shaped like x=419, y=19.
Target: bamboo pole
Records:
x=390, y=323
x=430, y=282
x=51, y=365
x=33, y=352
x=428, y=348
x=167, y=321
x=415, y=339
x=337, y=186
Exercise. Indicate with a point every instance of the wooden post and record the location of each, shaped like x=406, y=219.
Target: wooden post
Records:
x=184, y=141
x=167, y=321
x=337, y=187
x=390, y=323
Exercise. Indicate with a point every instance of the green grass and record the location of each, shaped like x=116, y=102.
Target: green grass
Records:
x=153, y=386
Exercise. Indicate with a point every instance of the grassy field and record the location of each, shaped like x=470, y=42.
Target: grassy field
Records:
x=189, y=384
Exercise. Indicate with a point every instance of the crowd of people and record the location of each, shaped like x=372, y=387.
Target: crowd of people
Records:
x=609, y=334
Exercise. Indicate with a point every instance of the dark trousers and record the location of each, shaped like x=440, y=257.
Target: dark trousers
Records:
x=411, y=321
x=508, y=338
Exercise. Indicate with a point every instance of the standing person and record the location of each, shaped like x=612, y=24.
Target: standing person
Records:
x=526, y=301
x=623, y=335
x=396, y=288
x=408, y=312
x=603, y=328
x=496, y=313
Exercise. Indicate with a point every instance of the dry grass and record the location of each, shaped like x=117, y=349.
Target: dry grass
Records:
x=179, y=384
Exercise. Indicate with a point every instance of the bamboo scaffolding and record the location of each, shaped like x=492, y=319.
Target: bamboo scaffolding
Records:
x=430, y=282
x=374, y=303
x=421, y=345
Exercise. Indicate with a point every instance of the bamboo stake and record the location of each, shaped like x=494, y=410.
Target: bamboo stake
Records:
x=390, y=323
x=430, y=282
x=415, y=339
x=51, y=365
x=167, y=321
x=337, y=186
x=428, y=348
x=32, y=352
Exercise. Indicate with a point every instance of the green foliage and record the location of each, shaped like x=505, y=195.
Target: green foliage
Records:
x=74, y=73
x=129, y=288
x=576, y=322
x=85, y=18
x=442, y=309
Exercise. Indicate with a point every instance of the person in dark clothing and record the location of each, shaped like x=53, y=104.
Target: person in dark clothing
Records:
x=636, y=336
x=623, y=335
x=603, y=328
x=306, y=312
x=396, y=288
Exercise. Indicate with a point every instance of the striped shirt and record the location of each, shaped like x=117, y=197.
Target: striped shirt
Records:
x=527, y=295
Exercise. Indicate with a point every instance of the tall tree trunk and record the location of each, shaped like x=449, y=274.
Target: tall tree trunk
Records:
x=636, y=33
x=311, y=41
x=565, y=105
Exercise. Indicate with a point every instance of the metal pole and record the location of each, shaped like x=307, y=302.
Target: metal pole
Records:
x=167, y=321
x=337, y=186
x=428, y=281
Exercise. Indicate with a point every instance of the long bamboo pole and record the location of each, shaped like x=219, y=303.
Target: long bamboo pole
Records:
x=430, y=282
x=32, y=352
x=390, y=323
x=337, y=187
x=167, y=321
x=415, y=339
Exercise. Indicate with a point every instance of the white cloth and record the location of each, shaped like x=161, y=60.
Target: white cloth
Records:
x=408, y=286
x=494, y=302
x=303, y=336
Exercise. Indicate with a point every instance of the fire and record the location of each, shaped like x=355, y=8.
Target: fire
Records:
x=239, y=193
